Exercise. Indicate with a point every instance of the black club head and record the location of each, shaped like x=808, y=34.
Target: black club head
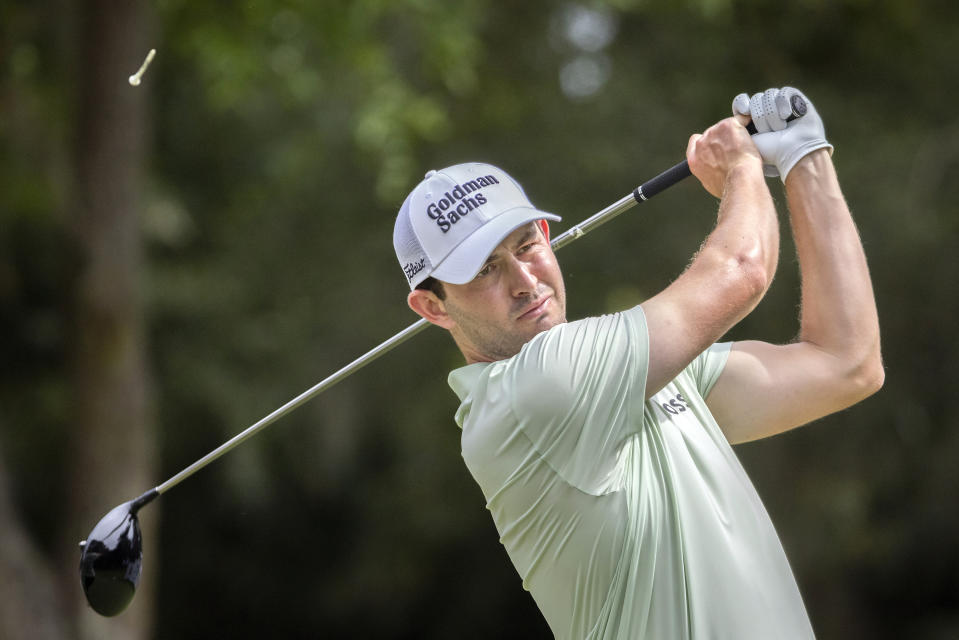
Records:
x=110, y=560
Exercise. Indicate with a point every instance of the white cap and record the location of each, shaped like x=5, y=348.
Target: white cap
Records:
x=455, y=218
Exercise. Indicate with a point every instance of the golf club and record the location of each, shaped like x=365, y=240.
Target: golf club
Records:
x=111, y=556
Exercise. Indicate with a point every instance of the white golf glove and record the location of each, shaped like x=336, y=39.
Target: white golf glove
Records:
x=782, y=144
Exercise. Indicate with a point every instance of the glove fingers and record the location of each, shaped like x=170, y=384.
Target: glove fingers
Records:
x=756, y=111
x=783, y=107
x=741, y=105
x=768, y=110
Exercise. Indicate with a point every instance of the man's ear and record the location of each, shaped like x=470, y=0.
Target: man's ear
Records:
x=426, y=304
x=544, y=225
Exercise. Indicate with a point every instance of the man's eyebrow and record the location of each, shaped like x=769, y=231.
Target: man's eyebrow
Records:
x=531, y=230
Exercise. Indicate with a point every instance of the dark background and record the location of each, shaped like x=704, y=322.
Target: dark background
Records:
x=180, y=258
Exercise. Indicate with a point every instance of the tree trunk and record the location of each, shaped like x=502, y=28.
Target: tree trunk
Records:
x=29, y=604
x=113, y=446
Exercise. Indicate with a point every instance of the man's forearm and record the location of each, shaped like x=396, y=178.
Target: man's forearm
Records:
x=838, y=307
x=747, y=222
x=728, y=276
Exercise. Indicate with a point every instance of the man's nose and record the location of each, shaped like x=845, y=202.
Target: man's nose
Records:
x=522, y=279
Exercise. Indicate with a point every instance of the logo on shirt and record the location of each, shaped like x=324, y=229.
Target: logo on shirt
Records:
x=675, y=405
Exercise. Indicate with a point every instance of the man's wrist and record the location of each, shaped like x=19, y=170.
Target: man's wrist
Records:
x=810, y=167
x=746, y=168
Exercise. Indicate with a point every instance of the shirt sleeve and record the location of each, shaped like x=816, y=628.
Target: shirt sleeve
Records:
x=708, y=366
x=578, y=394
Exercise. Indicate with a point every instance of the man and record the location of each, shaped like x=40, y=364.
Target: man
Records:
x=603, y=445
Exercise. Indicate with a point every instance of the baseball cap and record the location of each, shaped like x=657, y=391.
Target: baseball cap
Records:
x=455, y=218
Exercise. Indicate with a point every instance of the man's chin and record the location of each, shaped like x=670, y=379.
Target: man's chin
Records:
x=546, y=322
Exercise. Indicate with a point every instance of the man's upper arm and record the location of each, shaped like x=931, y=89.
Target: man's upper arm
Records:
x=766, y=389
x=693, y=312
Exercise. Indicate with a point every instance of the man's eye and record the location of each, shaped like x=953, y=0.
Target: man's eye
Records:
x=485, y=270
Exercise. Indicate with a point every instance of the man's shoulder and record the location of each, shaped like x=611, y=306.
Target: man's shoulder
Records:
x=562, y=361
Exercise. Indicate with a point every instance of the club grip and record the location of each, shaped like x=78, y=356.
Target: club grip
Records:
x=666, y=179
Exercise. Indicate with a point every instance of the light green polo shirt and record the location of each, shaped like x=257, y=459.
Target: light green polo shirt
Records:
x=625, y=519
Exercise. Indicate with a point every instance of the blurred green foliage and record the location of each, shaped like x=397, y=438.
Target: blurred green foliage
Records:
x=284, y=138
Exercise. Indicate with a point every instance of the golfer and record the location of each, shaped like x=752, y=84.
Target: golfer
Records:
x=603, y=445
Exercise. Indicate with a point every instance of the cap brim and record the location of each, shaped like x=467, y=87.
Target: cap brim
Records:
x=466, y=260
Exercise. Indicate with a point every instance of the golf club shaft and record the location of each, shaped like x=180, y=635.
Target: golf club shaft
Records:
x=316, y=389
x=645, y=191
x=641, y=193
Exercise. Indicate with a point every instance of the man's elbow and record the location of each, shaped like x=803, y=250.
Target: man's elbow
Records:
x=756, y=276
x=866, y=377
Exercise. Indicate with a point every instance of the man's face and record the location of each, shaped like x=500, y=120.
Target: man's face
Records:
x=518, y=293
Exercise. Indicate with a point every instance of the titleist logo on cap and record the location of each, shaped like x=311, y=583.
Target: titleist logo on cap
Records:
x=412, y=268
x=459, y=201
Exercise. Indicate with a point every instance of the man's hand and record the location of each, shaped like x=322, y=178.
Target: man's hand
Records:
x=782, y=144
x=719, y=150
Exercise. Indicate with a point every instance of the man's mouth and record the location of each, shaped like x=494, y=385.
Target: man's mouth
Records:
x=538, y=307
